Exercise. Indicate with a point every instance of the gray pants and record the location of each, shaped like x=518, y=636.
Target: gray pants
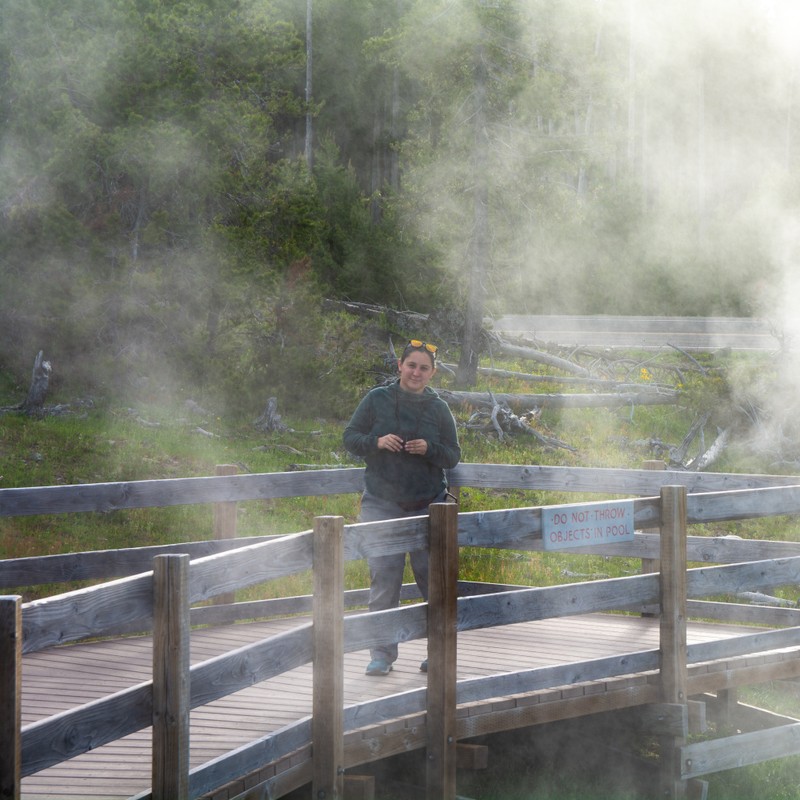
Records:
x=386, y=572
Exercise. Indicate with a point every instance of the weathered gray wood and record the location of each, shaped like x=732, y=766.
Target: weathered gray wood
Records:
x=105, y=564
x=746, y=643
x=225, y=521
x=673, y=594
x=66, y=735
x=663, y=719
x=187, y=491
x=672, y=624
x=247, y=759
x=630, y=482
x=650, y=565
x=734, y=505
x=126, y=605
x=170, y=767
x=328, y=683
x=556, y=601
x=221, y=676
x=442, y=653
x=733, y=578
x=532, y=680
x=768, y=616
x=742, y=750
x=62, y=736
x=10, y=696
x=595, y=323
x=517, y=529
x=692, y=333
x=96, y=610
x=517, y=351
x=178, y=491
x=521, y=528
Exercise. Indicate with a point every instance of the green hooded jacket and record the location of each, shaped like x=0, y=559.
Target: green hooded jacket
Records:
x=401, y=477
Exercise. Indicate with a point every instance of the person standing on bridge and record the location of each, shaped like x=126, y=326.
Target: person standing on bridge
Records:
x=407, y=435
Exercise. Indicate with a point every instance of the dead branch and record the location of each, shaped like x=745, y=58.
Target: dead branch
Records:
x=706, y=459
x=677, y=457
x=501, y=420
x=406, y=320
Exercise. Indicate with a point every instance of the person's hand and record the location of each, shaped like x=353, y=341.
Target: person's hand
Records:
x=417, y=447
x=391, y=442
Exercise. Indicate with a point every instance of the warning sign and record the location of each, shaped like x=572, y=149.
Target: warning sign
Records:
x=586, y=524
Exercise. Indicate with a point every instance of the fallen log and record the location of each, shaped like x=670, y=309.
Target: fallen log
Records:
x=539, y=356
x=525, y=402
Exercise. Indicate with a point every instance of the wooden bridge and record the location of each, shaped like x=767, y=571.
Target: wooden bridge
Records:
x=273, y=705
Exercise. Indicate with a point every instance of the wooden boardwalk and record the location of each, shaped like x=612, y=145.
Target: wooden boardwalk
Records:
x=60, y=678
x=688, y=333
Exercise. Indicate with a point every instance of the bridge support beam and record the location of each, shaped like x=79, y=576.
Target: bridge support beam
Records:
x=171, y=677
x=327, y=732
x=442, y=675
x=673, y=630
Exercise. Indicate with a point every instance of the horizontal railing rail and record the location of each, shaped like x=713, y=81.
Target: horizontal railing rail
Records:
x=163, y=493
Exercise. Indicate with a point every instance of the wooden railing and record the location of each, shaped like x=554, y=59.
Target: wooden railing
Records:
x=604, y=330
x=159, y=598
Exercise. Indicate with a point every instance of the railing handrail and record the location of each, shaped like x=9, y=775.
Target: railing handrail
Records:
x=166, y=492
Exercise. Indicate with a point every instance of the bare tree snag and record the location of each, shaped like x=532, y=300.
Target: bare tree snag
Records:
x=40, y=381
x=270, y=419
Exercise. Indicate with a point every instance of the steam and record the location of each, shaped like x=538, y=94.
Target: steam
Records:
x=639, y=152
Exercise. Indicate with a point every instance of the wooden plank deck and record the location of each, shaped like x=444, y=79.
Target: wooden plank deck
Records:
x=60, y=678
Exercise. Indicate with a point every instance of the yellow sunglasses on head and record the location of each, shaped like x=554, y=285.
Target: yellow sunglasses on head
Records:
x=417, y=343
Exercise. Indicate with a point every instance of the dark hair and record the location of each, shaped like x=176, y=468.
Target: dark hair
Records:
x=420, y=348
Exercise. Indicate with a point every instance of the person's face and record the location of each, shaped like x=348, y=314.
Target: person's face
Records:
x=416, y=371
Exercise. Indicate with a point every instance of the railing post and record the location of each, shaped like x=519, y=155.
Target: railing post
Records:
x=171, y=677
x=650, y=565
x=225, y=521
x=327, y=728
x=673, y=629
x=10, y=697
x=442, y=652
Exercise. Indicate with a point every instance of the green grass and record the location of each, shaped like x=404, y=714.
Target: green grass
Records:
x=109, y=444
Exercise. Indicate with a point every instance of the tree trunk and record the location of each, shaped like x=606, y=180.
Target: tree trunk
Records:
x=309, y=151
x=467, y=373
